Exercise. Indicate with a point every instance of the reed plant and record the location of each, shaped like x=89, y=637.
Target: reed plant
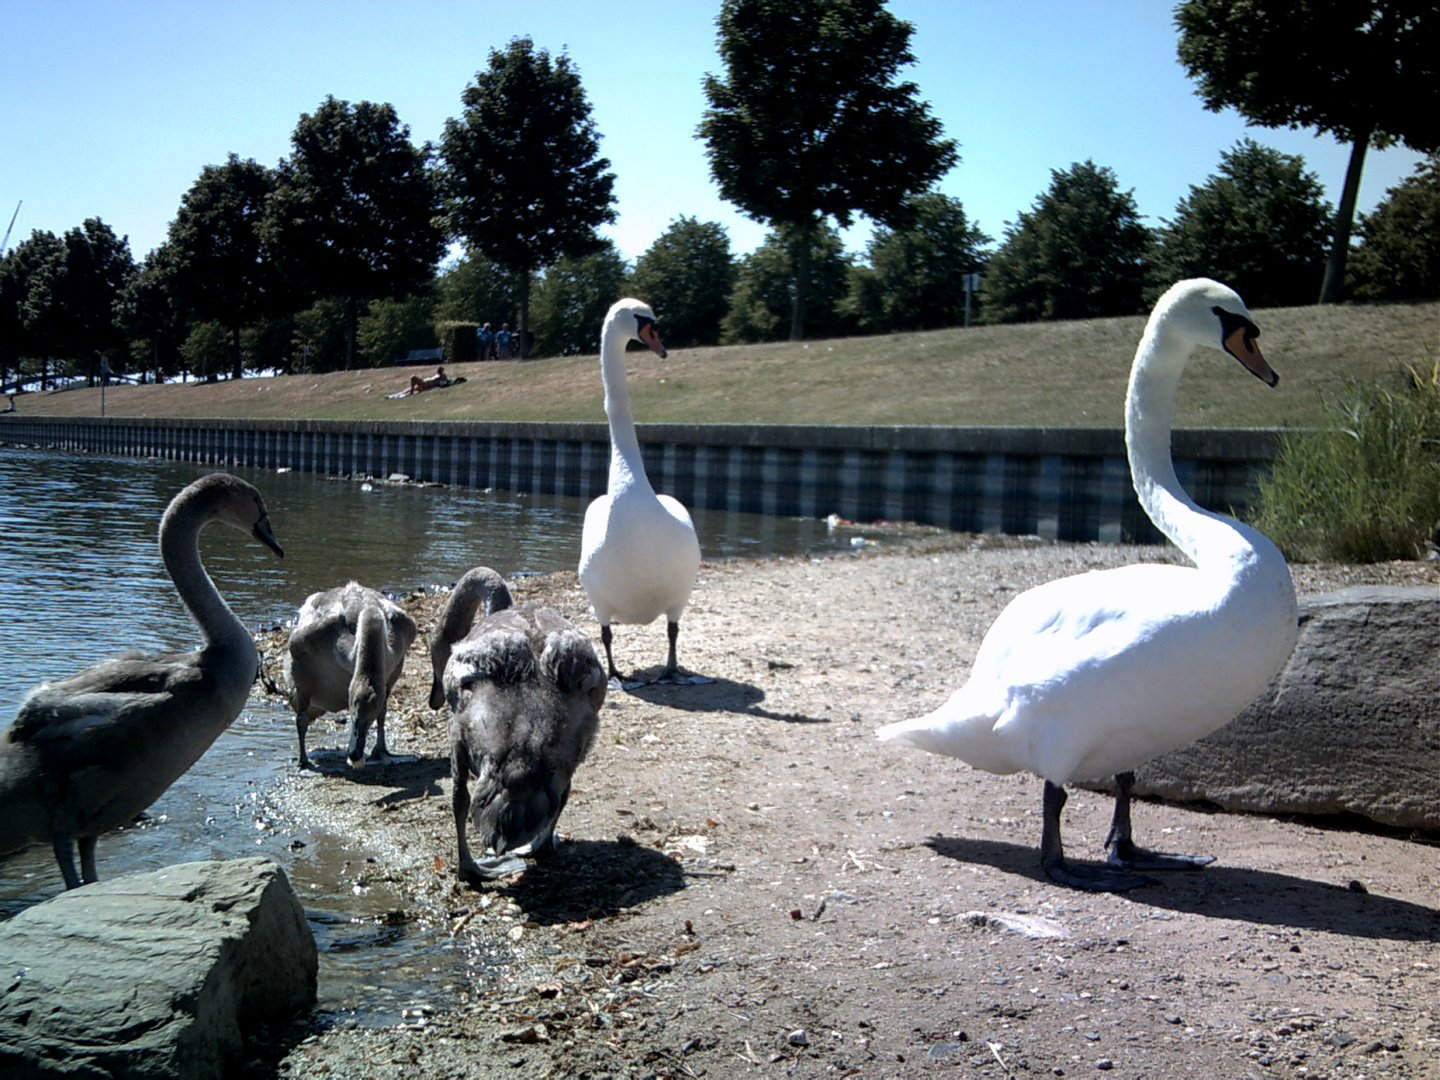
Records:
x=1365, y=487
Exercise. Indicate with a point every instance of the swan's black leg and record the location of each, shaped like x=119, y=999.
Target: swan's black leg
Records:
x=302, y=725
x=1123, y=851
x=1076, y=875
x=606, y=637
x=87, y=859
x=672, y=630
x=65, y=856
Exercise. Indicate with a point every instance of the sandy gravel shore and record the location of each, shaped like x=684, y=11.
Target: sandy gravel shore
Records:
x=756, y=886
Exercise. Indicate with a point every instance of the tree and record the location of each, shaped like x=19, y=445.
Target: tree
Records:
x=1260, y=225
x=915, y=277
x=222, y=272
x=573, y=297
x=69, y=307
x=1399, y=253
x=476, y=289
x=809, y=122
x=1365, y=71
x=1078, y=254
x=523, y=181
x=686, y=276
x=354, y=212
x=392, y=327
x=150, y=317
x=762, y=300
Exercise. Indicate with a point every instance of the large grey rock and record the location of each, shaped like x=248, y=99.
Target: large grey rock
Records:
x=153, y=975
x=1351, y=723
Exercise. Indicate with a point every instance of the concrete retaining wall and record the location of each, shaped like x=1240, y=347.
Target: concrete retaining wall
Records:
x=1060, y=483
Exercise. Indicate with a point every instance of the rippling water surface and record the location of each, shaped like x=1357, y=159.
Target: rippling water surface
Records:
x=82, y=580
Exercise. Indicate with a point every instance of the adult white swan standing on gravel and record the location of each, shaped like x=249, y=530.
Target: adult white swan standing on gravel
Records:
x=525, y=689
x=88, y=753
x=346, y=652
x=638, y=551
x=1089, y=676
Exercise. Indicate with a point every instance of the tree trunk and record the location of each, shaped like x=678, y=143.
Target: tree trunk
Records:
x=1333, y=286
x=521, y=348
x=351, y=319
x=800, y=264
x=237, y=369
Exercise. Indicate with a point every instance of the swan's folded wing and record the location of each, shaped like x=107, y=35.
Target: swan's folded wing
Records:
x=102, y=690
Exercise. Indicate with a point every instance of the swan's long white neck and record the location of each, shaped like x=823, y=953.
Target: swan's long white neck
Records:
x=1209, y=539
x=180, y=550
x=627, y=468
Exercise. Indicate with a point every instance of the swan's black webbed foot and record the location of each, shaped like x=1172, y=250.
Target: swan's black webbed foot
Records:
x=1125, y=854
x=1090, y=877
x=1123, y=851
x=1076, y=875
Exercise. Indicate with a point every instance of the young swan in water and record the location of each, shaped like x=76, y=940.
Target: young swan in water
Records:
x=1089, y=676
x=89, y=753
x=346, y=652
x=525, y=689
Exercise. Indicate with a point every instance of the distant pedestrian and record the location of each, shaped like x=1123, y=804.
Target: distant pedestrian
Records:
x=485, y=342
x=502, y=342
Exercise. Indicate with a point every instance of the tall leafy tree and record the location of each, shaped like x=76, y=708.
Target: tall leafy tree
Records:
x=1399, y=253
x=222, y=269
x=914, y=280
x=1079, y=253
x=1364, y=71
x=69, y=308
x=476, y=289
x=355, y=211
x=686, y=276
x=523, y=179
x=810, y=121
x=763, y=297
x=150, y=315
x=1260, y=225
x=573, y=297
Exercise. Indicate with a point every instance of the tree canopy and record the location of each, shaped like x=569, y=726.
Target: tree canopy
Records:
x=523, y=180
x=221, y=272
x=1399, y=253
x=810, y=122
x=1079, y=253
x=1365, y=71
x=1260, y=225
x=572, y=298
x=354, y=214
x=761, y=301
x=686, y=276
x=914, y=280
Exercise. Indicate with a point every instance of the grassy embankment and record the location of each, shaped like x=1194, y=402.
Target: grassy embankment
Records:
x=1053, y=374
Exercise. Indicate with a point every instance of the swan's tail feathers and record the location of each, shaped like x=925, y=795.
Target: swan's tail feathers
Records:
x=956, y=729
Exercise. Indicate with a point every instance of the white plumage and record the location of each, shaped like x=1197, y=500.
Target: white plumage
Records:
x=638, y=551
x=1089, y=676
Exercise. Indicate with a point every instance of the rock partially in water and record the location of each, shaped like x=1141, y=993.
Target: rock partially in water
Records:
x=153, y=975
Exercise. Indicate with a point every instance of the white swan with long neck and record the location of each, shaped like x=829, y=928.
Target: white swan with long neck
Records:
x=1088, y=676
x=347, y=651
x=638, y=551
x=88, y=753
x=525, y=689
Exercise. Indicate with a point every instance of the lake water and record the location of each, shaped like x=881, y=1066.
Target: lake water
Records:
x=83, y=580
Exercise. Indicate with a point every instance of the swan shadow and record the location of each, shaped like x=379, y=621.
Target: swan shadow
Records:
x=593, y=879
x=719, y=695
x=1233, y=892
x=407, y=776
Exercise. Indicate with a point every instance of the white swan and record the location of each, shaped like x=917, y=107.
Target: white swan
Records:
x=346, y=652
x=525, y=689
x=1091, y=675
x=638, y=551
x=88, y=753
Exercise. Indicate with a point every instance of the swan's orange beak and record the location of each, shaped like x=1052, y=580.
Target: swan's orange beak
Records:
x=650, y=336
x=1240, y=343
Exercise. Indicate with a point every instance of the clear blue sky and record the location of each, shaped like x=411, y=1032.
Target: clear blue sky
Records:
x=111, y=109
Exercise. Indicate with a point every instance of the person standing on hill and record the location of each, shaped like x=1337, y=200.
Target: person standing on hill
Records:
x=502, y=342
x=485, y=342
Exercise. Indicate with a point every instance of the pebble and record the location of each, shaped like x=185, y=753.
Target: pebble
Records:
x=1104, y=1063
x=798, y=1038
